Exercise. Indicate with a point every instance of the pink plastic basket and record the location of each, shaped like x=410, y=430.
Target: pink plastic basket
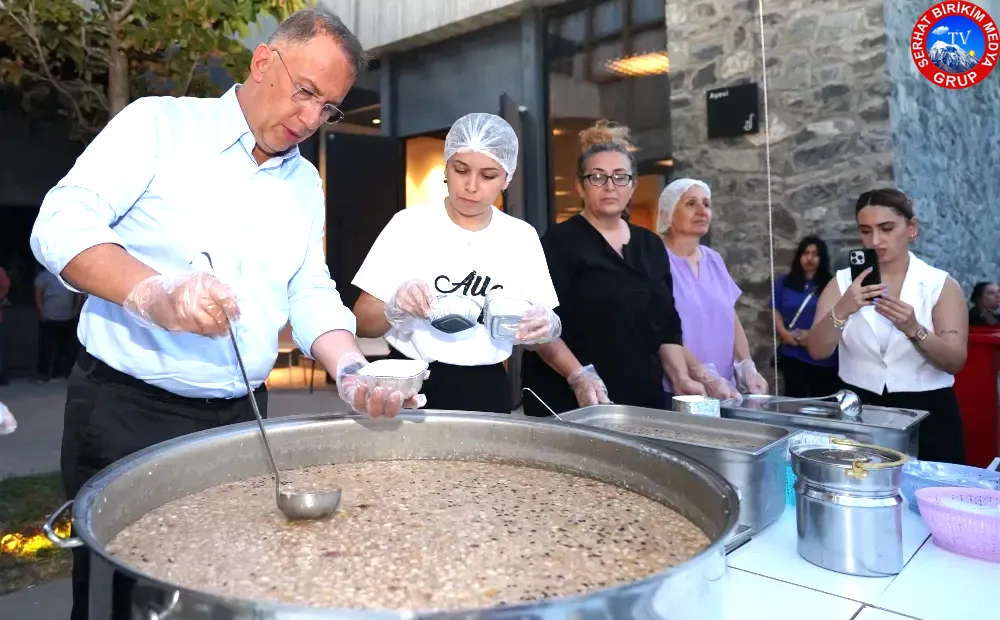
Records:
x=963, y=532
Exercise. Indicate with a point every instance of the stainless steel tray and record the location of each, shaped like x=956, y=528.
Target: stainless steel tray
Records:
x=751, y=456
x=883, y=426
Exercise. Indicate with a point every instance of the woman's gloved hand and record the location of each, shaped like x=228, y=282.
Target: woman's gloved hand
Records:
x=715, y=385
x=588, y=387
x=195, y=302
x=410, y=303
x=748, y=379
x=377, y=402
x=538, y=325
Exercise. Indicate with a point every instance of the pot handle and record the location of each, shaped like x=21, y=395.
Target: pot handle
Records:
x=859, y=469
x=56, y=539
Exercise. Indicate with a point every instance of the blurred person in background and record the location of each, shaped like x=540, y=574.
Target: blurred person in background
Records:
x=705, y=294
x=57, y=309
x=796, y=295
x=902, y=341
x=462, y=256
x=985, y=300
x=621, y=331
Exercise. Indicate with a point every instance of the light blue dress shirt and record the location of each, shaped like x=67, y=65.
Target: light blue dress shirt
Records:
x=167, y=179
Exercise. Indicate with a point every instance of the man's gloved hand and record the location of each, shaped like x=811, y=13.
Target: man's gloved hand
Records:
x=195, y=302
x=373, y=402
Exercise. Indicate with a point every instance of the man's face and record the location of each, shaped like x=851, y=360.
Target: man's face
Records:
x=301, y=87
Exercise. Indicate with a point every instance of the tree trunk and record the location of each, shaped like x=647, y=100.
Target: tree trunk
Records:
x=118, y=82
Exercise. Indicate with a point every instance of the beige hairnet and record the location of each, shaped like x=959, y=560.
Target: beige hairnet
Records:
x=669, y=198
x=487, y=134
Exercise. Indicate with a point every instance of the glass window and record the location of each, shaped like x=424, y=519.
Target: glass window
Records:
x=648, y=10
x=607, y=19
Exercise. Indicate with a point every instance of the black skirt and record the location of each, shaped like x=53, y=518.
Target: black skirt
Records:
x=941, y=436
x=465, y=388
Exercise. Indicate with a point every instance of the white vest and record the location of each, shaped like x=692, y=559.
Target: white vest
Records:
x=902, y=368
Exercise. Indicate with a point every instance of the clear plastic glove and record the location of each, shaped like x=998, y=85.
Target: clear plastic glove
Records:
x=538, y=325
x=588, y=387
x=748, y=379
x=411, y=302
x=376, y=403
x=715, y=385
x=7, y=422
x=195, y=302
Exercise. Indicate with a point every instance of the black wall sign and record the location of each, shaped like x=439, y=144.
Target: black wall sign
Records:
x=733, y=111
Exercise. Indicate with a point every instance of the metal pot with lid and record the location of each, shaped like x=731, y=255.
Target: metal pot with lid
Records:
x=848, y=507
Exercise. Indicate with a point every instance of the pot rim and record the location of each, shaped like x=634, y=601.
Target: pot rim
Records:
x=87, y=497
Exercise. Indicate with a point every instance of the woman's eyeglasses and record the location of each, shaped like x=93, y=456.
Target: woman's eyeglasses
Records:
x=598, y=179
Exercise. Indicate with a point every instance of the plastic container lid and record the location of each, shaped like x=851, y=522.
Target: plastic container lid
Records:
x=394, y=369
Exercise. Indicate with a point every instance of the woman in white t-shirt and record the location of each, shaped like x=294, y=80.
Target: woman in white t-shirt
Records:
x=426, y=279
x=902, y=341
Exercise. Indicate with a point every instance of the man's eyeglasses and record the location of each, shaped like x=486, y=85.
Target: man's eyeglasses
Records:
x=303, y=96
x=598, y=179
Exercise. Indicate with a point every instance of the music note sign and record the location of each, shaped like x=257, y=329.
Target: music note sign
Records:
x=733, y=111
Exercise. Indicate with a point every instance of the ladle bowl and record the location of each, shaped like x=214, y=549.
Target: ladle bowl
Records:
x=295, y=505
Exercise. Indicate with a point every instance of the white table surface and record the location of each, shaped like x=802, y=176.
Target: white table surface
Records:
x=752, y=597
x=773, y=553
x=940, y=585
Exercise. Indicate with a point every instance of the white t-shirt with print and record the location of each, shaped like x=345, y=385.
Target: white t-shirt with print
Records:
x=423, y=242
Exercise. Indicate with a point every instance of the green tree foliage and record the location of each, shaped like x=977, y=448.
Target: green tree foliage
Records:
x=98, y=55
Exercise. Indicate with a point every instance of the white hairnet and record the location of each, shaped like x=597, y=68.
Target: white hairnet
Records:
x=487, y=134
x=669, y=198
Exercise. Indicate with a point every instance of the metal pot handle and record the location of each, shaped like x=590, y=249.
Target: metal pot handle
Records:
x=859, y=469
x=56, y=539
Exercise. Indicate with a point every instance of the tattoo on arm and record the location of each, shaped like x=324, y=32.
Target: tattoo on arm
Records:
x=947, y=331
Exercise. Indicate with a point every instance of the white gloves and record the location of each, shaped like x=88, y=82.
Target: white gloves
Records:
x=588, y=387
x=715, y=385
x=7, y=422
x=748, y=379
x=538, y=325
x=411, y=302
x=195, y=302
x=374, y=402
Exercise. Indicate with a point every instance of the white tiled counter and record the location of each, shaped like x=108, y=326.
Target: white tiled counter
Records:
x=768, y=580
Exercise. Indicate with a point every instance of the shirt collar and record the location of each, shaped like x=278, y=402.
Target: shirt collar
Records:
x=232, y=128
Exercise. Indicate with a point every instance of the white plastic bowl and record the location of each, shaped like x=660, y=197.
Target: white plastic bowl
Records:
x=406, y=376
x=503, y=313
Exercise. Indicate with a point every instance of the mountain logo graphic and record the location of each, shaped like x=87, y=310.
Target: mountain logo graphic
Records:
x=955, y=45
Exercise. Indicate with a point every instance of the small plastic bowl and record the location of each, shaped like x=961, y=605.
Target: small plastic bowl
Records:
x=503, y=314
x=453, y=314
x=963, y=521
x=406, y=376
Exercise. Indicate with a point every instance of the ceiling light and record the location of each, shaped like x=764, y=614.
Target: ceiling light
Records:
x=376, y=121
x=652, y=63
x=665, y=162
x=562, y=192
x=557, y=132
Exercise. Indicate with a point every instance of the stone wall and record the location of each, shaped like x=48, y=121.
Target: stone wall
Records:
x=946, y=156
x=830, y=138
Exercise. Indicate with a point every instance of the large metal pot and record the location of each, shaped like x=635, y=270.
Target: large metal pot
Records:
x=140, y=483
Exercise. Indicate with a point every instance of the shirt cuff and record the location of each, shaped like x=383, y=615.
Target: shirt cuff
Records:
x=59, y=245
x=316, y=317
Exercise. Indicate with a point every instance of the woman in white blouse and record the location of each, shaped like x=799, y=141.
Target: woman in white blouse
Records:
x=426, y=281
x=900, y=342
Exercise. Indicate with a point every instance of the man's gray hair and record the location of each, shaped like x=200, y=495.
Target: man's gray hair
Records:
x=303, y=25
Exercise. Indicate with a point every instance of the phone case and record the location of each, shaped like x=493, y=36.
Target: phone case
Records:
x=861, y=260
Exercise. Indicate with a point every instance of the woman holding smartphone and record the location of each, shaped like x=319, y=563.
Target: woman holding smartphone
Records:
x=901, y=341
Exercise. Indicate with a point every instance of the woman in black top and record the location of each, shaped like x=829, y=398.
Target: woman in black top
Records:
x=621, y=332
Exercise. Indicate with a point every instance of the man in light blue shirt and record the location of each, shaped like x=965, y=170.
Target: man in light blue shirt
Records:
x=166, y=181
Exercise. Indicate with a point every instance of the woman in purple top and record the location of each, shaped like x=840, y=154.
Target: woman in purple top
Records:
x=705, y=294
x=795, y=297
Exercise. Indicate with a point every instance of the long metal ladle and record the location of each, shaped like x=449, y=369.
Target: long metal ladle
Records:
x=294, y=504
x=847, y=401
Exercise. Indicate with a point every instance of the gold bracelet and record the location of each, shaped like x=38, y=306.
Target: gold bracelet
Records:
x=837, y=323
